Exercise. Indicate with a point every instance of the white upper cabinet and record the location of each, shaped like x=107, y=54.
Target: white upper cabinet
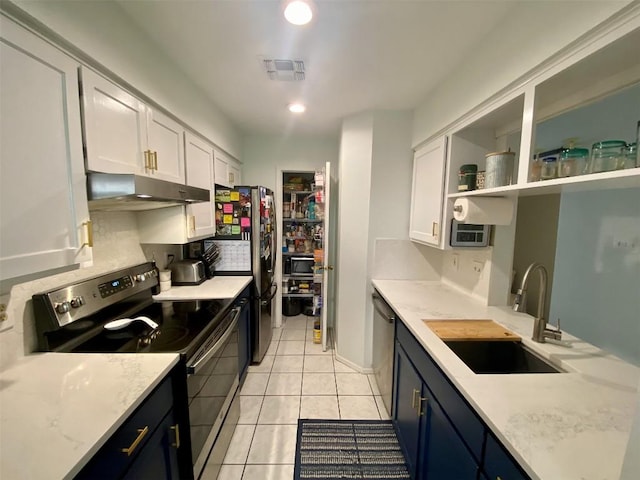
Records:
x=123, y=135
x=235, y=175
x=44, y=217
x=427, y=192
x=165, y=146
x=115, y=127
x=200, y=173
x=183, y=224
x=227, y=170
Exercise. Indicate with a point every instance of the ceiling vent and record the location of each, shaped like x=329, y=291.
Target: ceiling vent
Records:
x=284, y=70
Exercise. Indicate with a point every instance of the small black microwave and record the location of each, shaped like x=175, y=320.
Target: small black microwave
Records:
x=469, y=235
x=299, y=265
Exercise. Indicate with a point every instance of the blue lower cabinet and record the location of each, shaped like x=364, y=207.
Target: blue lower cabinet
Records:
x=432, y=447
x=446, y=456
x=159, y=459
x=441, y=434
x=407, y=422
x=153, y=443
x=498, y=463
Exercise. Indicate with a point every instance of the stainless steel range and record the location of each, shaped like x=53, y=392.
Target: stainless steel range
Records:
x=115, y=313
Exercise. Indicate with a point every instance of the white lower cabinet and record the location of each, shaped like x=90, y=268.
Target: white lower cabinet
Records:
x=44, y=217
x=427, y=193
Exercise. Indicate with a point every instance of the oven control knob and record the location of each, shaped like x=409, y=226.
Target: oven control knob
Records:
x=77, y=302
x=141, y=277
x=62, y=307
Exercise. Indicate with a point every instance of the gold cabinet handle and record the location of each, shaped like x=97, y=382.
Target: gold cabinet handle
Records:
x=89, y=225
x=176, y=428
x=420, y=410
x=147, y=160
x=413, y=397
x=141, y=434
x=434, y=229
x=155, y=160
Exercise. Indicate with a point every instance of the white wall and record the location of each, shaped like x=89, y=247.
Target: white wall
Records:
x=376, y=162
x=101, y=30
x=597, y=270
x=532, y=33
x=356, y=148
x=264, y=155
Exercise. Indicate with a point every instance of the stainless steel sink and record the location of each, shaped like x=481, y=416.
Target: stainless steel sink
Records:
x=500, y=357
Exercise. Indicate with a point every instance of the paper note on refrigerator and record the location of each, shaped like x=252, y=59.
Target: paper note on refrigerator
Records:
x=227, y=219
x=245, y=222
x=227, y=208
x=235, y=196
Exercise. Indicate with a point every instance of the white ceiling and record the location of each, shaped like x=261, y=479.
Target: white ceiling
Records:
x=359, y=55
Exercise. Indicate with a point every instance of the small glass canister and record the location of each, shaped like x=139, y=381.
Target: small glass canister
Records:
x=607, y=156
x=536, y=169
x=467, y=177
x=573, y=161
x=549, y=168
x=631, y=156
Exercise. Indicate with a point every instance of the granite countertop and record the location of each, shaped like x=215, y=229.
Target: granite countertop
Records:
x=214, y=288
x=569, y=425
x=58, y=409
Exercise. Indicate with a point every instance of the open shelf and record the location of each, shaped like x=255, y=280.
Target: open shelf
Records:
x=629, y=178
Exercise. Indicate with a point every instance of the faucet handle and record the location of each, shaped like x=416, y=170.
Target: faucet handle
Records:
x=554, y=333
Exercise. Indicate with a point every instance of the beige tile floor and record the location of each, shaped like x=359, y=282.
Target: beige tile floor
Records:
x=295, y=380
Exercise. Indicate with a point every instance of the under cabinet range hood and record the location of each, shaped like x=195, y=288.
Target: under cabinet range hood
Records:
x=114, y=191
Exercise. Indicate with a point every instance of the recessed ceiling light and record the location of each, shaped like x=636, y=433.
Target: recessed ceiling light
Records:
x=298, y=12
x=297, y=108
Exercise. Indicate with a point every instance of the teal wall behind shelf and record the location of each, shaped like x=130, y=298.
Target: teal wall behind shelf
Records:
x=596, y=284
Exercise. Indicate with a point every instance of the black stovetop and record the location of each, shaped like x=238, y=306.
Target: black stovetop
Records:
x=182, y=327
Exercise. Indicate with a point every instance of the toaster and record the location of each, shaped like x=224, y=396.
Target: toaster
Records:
x=187, y=272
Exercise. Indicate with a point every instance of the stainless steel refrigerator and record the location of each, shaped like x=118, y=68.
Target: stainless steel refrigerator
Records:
x=245, y=236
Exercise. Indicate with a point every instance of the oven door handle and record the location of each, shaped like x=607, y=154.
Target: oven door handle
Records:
x=193, y=369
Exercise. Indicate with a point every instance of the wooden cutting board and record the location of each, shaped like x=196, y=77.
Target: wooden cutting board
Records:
x=471, y=330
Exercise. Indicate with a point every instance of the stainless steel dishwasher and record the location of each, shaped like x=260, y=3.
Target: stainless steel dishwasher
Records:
x=384, y=319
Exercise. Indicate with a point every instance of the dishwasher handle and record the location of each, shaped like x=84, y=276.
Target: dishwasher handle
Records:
x=383, y=308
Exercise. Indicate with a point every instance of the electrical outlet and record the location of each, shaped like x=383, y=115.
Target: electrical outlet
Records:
x=455, y=262
x=477, y=266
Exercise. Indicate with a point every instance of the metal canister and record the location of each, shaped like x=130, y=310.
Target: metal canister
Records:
x=499, y=169
x=467, y=177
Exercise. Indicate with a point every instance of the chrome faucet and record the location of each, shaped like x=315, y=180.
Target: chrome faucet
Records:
x=540, y=330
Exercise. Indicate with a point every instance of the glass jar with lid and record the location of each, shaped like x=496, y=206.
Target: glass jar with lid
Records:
x=573, y=161
x=549, y=168
x=631, y=156
x=607, y=155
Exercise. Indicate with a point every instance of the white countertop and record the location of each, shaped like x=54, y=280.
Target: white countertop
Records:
x=214, y=288
x=58, y=409
x=558, y=426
